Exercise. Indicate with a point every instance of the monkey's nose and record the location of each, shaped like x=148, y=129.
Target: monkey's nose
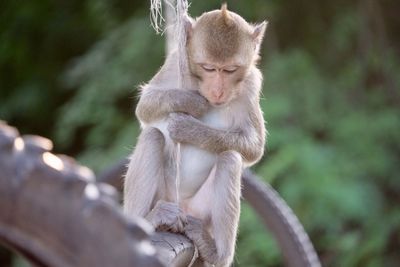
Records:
x=218, y=94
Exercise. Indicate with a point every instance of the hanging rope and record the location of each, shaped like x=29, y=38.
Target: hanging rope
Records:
x=156, y=17
x=181, y=14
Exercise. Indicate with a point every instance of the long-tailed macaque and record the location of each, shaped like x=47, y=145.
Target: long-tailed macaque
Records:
x=219, y=124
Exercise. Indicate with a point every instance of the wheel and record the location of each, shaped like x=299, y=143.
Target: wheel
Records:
x=53, y=212
x=276, y=215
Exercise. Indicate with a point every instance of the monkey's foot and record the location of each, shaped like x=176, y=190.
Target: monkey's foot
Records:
x=195, y=231
x=167, y=216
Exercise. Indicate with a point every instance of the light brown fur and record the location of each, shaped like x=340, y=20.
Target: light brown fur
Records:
x=222, y=34
x=218, y=122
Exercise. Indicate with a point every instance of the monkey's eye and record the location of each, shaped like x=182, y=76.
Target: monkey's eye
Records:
x=208, y=68
x=230, y=69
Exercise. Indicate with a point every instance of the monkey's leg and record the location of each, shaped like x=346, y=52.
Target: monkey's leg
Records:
x=222, y=188
x=145, y=184
x=145, y=175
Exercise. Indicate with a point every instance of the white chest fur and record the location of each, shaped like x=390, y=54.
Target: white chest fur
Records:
x=196, y=163
x=219, y=118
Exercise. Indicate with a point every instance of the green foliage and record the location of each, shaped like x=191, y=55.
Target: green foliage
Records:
x=256, y=246
x=107, y=78
x=332, y=158
x=20, y=262
x=331, y=101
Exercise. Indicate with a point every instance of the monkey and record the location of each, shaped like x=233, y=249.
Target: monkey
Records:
x=217, y=120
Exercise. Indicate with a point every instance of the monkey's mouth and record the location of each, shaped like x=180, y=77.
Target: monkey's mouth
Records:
x=222, y=102
x=218, y=104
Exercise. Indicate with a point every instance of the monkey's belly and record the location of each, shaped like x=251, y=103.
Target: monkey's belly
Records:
x=195, y=164
x=195, y=167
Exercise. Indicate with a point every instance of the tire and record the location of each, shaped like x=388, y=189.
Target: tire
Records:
x=53, y=212
x=293, y=241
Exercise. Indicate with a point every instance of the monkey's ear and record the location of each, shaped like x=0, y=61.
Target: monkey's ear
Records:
x=258, y=32
x=188, y=24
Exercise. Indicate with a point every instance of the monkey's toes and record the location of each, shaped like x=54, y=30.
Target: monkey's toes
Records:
x=193, y=228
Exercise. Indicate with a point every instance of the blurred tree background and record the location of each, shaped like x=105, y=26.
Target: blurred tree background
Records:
x=69, y=70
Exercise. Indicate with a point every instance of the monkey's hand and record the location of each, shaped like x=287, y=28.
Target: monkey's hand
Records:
x=183, y=128
x=191, y=103
x=167, y=216
x=195, y=231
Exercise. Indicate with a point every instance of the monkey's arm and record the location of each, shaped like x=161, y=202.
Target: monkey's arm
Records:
x=248, y=139
x=155, y=104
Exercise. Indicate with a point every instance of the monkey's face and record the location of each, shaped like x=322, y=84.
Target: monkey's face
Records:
x=219, y=75
x=219, y=83
x=221, y=47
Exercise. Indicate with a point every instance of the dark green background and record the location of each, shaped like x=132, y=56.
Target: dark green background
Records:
x=69, y=71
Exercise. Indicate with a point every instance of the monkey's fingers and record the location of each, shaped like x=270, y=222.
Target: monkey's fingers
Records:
x=176, y=227
x=162, y=228
x=182, y=222
x=183, y=218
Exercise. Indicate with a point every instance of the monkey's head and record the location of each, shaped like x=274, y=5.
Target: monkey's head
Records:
x=221, y=48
